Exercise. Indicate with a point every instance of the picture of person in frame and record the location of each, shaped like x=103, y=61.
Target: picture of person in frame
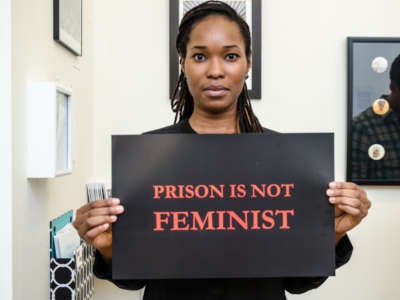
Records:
x=376, y=135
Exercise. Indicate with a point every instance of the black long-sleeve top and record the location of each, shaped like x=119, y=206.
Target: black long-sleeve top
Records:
x=220, y=289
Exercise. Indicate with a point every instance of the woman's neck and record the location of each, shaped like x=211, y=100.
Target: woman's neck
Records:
x=204, y=123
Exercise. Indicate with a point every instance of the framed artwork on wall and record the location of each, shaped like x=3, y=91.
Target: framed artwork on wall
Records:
x=49, y=130
x=67, y=24
x=250, y=10
x=373, y=127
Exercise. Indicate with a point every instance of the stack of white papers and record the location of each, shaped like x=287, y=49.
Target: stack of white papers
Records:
x=66, y=241
x=97, y=191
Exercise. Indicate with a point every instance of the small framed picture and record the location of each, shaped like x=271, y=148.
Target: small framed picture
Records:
x=249, y=10
x=373, y=131
x=63, y=131
x=67, y=24
x=49, y=130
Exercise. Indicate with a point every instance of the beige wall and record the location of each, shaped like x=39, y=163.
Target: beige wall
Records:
x=120, y=85
x=36, y=57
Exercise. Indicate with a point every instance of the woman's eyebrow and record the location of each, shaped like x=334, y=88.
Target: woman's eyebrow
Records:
x=205, y=47
x=231, y=46
x=199, y=47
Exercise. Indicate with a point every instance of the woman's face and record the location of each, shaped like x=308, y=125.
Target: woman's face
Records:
x=215, y=65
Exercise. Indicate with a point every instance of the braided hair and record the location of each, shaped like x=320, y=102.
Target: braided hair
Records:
x=182, y=103
x=395, y=70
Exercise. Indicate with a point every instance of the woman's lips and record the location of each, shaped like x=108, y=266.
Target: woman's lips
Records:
x=216, y=91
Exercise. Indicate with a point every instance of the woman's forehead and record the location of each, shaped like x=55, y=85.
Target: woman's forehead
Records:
x=216, y=29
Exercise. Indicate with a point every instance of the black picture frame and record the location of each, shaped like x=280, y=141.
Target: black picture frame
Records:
x=67, y=24
x=255, y=90
x=368, y=79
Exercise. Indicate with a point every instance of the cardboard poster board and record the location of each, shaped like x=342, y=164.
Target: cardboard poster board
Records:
x=223, y=206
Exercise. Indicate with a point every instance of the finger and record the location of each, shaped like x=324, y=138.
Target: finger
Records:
x=338, y=212
x=96, y=231
x=365, y=208
x=344, y=224
x=348, y=188
x=355, y=191
x=97, y=209
x=368, y=203
x=96, y=217
x=365, y=200
x=343, y=185
x=352, y=211
x=103, y=203
x=98, y=204
x=105, y=211
x=353, y=202
x=97, y=221
x=341, y=202
x=349, y=193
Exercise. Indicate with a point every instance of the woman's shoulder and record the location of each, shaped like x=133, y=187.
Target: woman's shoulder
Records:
x=181, y=127
x=184, y=127
x=269, y=131
x=175, y=128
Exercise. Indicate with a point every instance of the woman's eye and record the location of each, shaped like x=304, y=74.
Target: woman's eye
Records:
x=199, y=57
x=232, y=56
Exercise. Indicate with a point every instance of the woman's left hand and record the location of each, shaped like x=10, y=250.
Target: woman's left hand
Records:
x=351, y=206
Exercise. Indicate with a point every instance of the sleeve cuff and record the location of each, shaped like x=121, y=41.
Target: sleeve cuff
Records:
x=100, y=268
x=344, y=250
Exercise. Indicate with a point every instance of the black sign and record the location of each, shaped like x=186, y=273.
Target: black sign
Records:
x=223, y=206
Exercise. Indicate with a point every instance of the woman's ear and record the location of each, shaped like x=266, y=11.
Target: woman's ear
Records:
x=182, y=64
x=249, y=63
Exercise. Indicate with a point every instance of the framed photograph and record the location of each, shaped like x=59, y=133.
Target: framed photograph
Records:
x=373, y=131
x=250, y=10
x=67, y=24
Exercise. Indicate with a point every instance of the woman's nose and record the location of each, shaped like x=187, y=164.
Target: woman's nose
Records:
x=215, y=68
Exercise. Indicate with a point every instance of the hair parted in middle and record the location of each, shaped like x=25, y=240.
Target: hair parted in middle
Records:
x=182, y=101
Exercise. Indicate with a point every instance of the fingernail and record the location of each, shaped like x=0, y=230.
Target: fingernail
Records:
x=119, y=208
x=115, y=201
x=332, y=200
x=113, y=218
x=332, y=184
x=329, y=192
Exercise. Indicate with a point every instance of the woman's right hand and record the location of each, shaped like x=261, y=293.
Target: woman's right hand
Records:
x=93, y=222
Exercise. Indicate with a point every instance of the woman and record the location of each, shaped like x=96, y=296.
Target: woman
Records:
x=214, y=46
